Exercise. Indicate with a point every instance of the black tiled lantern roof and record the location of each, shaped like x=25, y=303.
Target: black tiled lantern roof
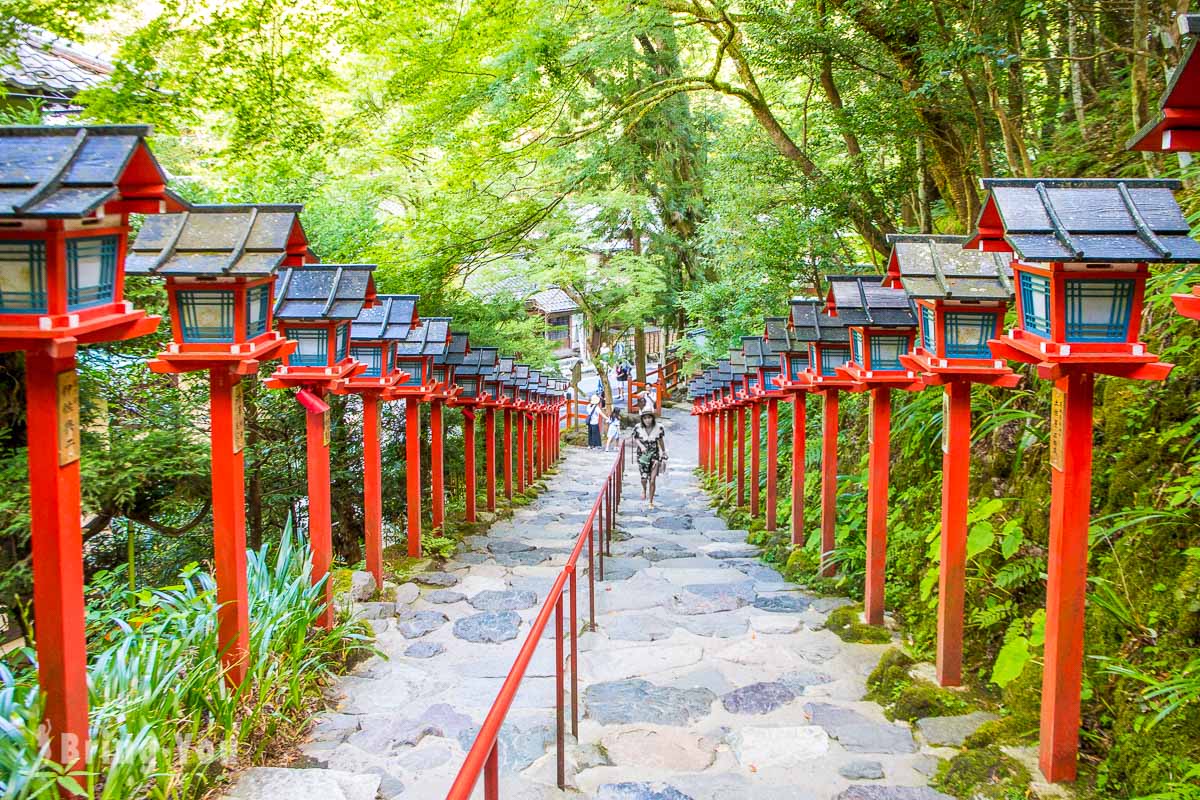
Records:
x=455, y=352
x=322, y=292
x=1089, y=219
x=211, y=241
x=724, y=372
x=430, y=338
x=776, y=339
x=67, y=172
x=737, y=362
x=864, y=300
x=754, y=351
x=810, y=323
x=937, y=267
x=480, y=361
x=392, y=318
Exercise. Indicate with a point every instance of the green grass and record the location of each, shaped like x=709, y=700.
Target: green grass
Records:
x=163, y=723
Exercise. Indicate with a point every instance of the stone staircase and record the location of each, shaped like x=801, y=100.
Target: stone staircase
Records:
x=708, y=676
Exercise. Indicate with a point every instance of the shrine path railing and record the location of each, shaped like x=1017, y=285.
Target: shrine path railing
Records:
x=483, y=757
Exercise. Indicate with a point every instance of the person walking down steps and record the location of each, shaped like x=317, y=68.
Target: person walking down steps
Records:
x=650, y=439
x=614, y=430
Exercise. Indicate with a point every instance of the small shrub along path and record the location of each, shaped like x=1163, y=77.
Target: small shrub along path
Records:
x=708, y=676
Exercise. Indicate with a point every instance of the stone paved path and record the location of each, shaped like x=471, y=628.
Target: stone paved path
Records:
x=708, y=676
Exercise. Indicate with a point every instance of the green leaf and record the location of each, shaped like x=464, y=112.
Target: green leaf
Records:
x=1010, y=661
x=928, y=582
x=985, y=510
x=1037, y=635
x=980, y=538
x=1014, y=535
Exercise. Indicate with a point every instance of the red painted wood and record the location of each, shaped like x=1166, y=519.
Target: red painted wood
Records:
x=320, y=528
x=508, y=454
x=799, y=446
x=730, y=418
x=372, y=488
x=412, y=469
x=520, y=451
x=741, y=456
x=956, y=472
x=877, y=503
x=469, y=464
x=719, y=433
x=829, y=489
x=755, y=454
x=772, y=462
x=229, y=528
x=1066, y=583
x=57, y=545
x=437, y=465
x=489, y=456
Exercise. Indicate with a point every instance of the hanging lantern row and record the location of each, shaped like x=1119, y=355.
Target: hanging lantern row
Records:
x=243, y=289
x=1074, y=257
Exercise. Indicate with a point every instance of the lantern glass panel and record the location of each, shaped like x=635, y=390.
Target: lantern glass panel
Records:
x=312, y=347
x=967, y=334
x=439, y=374
x=206, y=316
x=752, y=377
x=796, y=366
x=1098, y=310
x=886, y=351
x=91, y=271
x=370, y=355
x=470, y=387
x=413, y=368
x=343, y=341
x=23, y=278
x=929, y=329
x=1035, y=304
x=769, y=376
x=258, y=300
x=511, y=392
x=832, y=358
x=856, y=344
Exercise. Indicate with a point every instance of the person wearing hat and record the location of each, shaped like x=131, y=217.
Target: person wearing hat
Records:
x=651, y=442
x=595, y=416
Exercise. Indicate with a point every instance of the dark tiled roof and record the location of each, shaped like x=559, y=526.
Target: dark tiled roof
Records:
x=208, y=241
x=430, y=338
x=392, y=318
x=938, y=267
x=810, y=323
x=480, y=361
x=777, y=340
x=504, y=369
x=1091, y=219
x=42, y=65
x=54, y=171
x=456, y=351
x=864, y=300
x=754, y=351
x=737, y=361
x=553, y=301
x=322, y=292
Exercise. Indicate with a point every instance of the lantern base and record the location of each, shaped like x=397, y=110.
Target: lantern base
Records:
x=862, y=380
x=373, y=383
x=115, y=322
x=1188, y=304
x=330, y=378
x=811, y=382
x=934, y=371
x=243, y=358
x=1058, y=359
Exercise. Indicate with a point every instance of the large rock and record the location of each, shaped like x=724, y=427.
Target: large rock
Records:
x=415, y=624
x=383, y=734
x=362, y=585
x=376, y=610
x=757, y=698
x=709, y=598
x=859, y=734
x=443, y=579
x=424, y=649
x=611, y=664
x=800, y=679
x=676, y=750
x=518, y=747
x=639, y=791
x=490, y=627
x=639, y=701
x=722, y=626
x=506, y=600
x=861, y=770
x=952, y=731
x=786, y=747
x=678, y=523
x=508, y=546
x=729, y=550
x=664, y=551
x=637, y=628
x=259, y=783
x=783, y=603
x=407, y=593
x=874, y=792
x=525, y=558
x=445, y=596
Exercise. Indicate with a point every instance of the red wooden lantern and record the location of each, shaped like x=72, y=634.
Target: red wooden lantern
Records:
x=444, y=365
x=828, y=342
x=961, y=298
x=373, y=338
x=219, y=263
x=314, y=307
x=68, y=192
x=1080, y=250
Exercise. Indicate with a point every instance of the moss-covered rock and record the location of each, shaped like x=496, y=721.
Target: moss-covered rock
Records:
x=846, y=622
x=890, y=675
x=923, y=699
x=986, y=774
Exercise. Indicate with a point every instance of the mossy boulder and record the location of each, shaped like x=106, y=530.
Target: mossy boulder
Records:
x=800, y=564
x=922, y=699
x=890, y=675
x=986, y=774
x=847, y=623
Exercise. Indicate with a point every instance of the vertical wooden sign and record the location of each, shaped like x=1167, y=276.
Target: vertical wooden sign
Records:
x=945, y=422
x=68, y=417
x=239, y=418
x=1058, y=423
x=325, y=426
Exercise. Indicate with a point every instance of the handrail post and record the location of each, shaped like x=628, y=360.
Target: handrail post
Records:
x=592, y=574
x=560, y=712
x=574, y=652
x=491, y=773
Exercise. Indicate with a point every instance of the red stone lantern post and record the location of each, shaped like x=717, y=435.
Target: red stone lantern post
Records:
x=471, y=396
x=882, y=328
x=69, y=192
x=373, y=339
x=961, y=298
x=219, y=263
x=414, y=355
x=827, y=340
x=314, y=306
x=1080, y=250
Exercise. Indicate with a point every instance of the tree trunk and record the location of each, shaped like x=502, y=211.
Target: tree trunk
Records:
x=1076, y=73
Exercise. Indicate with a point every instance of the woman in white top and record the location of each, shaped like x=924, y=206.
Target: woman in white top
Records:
x=614, y=429
x=595, y=416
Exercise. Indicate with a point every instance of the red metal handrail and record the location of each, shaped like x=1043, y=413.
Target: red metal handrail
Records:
x=483, y=757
